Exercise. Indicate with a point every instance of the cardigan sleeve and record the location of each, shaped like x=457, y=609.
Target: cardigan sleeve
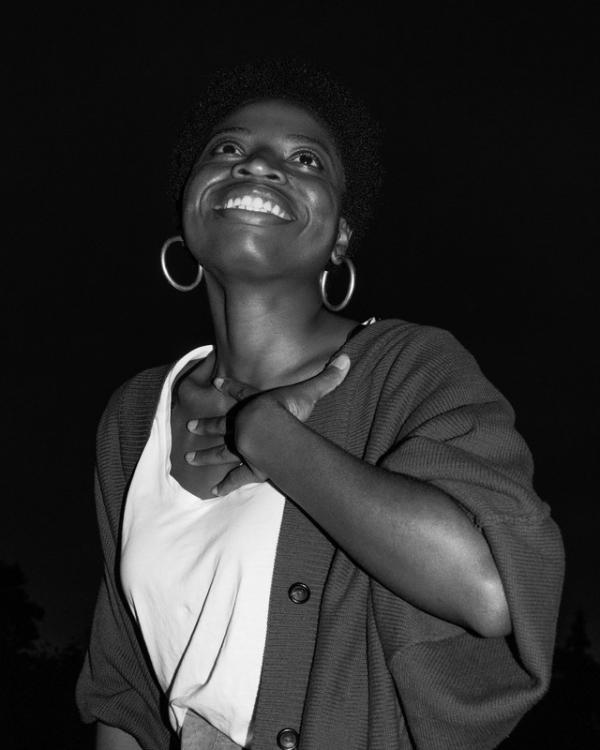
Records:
x=459, y=690
x=116, y=685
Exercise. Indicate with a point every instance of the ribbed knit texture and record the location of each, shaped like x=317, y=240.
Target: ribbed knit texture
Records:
x=356, y=666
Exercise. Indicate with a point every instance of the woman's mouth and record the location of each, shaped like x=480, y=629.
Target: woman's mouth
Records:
x=256, y=203
x=253, y=201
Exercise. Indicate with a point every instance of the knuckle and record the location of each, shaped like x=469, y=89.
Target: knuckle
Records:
x=211, y=426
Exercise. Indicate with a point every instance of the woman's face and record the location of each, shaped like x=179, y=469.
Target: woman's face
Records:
x=264, y=196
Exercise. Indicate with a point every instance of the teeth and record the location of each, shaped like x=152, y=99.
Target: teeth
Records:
x=255, y=203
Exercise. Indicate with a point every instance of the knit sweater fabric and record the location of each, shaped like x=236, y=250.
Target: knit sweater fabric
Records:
x=356, y=666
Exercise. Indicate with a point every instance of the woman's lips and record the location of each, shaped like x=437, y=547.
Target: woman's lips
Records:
x=256, y=218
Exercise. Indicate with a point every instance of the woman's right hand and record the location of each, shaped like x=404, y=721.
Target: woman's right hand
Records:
x=223, y=453
x=298, y=399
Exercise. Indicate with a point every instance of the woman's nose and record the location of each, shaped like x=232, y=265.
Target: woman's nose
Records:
x=259, y=165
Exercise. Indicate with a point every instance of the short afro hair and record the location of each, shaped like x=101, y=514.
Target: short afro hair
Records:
x=355, y=131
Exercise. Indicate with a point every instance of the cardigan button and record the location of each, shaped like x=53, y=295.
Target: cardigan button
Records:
x=287, y=739
x=299, y=593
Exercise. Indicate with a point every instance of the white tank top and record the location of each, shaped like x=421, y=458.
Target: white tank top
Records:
x=197, y=576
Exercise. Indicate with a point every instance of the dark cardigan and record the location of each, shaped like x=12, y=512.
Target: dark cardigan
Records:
x=357, y=667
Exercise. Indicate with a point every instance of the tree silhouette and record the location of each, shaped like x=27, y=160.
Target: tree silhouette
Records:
x=578, y=643
x=37, y=704
x=18, y=615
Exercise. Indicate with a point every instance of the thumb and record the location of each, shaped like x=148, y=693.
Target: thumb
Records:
x=301, y=399
x=332, y=375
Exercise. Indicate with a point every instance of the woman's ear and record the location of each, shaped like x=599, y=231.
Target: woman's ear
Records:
x=342, y=241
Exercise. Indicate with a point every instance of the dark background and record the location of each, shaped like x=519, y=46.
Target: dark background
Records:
x=487, y=225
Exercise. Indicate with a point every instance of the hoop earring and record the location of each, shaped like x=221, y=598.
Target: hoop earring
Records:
x=323, y=281
x=169, y=278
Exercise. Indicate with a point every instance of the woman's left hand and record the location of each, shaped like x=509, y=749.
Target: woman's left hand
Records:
x=298, y=399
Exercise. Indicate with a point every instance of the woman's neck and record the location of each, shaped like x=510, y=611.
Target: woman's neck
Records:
x=274, y=335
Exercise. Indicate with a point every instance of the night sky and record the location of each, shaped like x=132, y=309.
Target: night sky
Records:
x=487, y=225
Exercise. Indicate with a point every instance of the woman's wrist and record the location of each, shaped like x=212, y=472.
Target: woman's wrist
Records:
x=260, y=428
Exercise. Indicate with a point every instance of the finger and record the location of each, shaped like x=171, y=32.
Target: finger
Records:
x=236, y=478
x=210, y=426
x=329, y=379
x=341, y=363
x=220, y=454
x=234, y=388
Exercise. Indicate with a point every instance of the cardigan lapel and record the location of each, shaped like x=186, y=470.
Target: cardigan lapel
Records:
x=136, y=413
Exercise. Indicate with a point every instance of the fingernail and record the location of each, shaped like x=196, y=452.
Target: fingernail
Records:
x=218, y=383
x=189, y=457
x=342, y=362
x=192, y=424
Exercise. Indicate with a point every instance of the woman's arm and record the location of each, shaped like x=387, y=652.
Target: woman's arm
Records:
x=407, y=534
x=111, y=738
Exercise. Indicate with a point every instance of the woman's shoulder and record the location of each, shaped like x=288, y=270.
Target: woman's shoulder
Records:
x=145, y=386
x=392, y=353
x=412, y=364
x=141, y=387
x=133, y=402
x=391, y=337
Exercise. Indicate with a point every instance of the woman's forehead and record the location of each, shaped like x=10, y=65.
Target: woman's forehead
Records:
x=279, y=115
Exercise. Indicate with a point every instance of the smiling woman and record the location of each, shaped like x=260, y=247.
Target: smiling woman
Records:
x=267, y=154
x=350, y=129
x=315, y=530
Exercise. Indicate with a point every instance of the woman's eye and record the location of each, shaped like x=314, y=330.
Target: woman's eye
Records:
x=226, y=147
x=308, y=159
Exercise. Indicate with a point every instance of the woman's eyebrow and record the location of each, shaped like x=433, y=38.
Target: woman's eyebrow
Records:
x=231, y=129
